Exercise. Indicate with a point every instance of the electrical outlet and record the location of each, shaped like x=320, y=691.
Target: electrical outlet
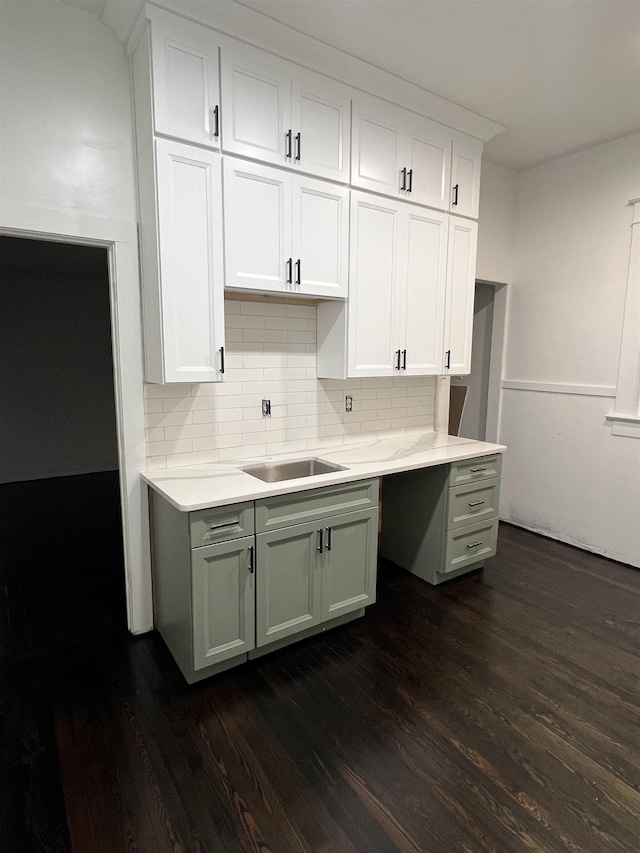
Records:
x=266, y=408
x=348, y=403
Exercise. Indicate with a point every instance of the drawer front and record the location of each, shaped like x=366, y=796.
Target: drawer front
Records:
x=221, y=523
x=473, y=502
x=285, y=510
x=469, y=545
x=470, y=470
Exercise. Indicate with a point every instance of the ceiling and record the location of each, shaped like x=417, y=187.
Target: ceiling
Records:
x=560, y=75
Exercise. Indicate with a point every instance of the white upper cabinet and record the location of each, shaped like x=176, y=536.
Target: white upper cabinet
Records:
x=465, y=175
x=181, y=238
x=176, y=81
x=284, y=233
x=399, y=153
x=282, y=114
x=393, y=324
x=461, y=273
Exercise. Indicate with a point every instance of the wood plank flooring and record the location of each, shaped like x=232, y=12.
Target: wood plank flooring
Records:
x=498, y=712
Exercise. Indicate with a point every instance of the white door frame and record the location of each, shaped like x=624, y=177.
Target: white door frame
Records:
x=120, y=240
x=494, y=393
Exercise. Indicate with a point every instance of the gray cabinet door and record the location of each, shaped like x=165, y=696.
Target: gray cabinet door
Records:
x=288, y=582
x=223, y=600
x=349, y=562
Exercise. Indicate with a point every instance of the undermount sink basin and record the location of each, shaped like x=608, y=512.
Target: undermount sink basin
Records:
x=275, y=472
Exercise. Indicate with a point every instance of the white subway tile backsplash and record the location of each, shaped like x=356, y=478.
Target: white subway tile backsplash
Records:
x=271, y=354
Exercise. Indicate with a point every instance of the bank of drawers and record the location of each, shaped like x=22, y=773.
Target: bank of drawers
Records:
x=473, y=497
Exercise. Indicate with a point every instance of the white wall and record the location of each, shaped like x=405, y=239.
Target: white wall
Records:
x=496, y=223
x=565, y=474
x=65, y=117
x=66, y=171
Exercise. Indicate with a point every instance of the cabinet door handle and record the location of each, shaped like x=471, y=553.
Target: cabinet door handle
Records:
x=328, y=538
x=290, y=271
x=454, y=201
x=404, y=359
x=403, y=185
x=251, y=565
x=320, y=541
x=397, y=359
x=221, y=359
x=410, y=174
x=475, y=503
x=298, y=146
x=477, y=470
x=474, y=544
x=288, y=137
x=447, y=359
x=215, y=120
x=298, y=268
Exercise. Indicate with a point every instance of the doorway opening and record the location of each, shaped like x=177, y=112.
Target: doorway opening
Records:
x=61, y=539
x=475, y=399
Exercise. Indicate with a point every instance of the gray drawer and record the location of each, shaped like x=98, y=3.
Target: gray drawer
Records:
x=468, y=545
x=473, y=502
x=285, y=510
x=221, y=523
x=470, y=470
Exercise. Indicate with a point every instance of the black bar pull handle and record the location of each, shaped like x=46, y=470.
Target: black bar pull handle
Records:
x=216, y=120
x=410, y=174
x=329, y=531
x=454, y=202
x=221, y=359
x=447, y=362
x=251, y=565
x=298, y=273
x=404, y=359
x=298, y=146
x=290, y=271
x=320, y=541
x=403, y=185
x=397, y=359
x=288, y=137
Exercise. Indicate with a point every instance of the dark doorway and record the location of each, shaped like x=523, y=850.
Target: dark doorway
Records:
x=61, y=557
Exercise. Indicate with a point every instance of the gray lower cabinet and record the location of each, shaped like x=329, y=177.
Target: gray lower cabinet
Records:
x=315, y=572
x=441, y=522
x=222, y=578
x=223, y=594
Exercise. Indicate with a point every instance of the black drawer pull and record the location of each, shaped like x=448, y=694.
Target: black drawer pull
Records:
x=224, y=524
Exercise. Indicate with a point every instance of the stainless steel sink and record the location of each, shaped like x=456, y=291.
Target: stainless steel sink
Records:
x=275, y=472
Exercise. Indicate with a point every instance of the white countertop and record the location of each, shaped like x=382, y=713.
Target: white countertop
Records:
x=218, y=484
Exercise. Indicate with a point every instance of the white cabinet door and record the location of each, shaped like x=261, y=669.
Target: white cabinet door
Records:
x=321, y=125
x=425, y=252
x=374, y=277
x=320, y=238
x=184, y=69
x=465, y=176
x=378, y=146
x=182, y=264
x=256, y=100
x=461, y=273
x=257, y=227
x=428, y=163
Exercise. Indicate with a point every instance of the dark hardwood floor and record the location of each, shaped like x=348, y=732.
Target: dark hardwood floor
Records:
x=498, y=712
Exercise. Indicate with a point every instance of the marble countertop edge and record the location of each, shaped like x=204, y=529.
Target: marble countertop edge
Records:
x=218, y=484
